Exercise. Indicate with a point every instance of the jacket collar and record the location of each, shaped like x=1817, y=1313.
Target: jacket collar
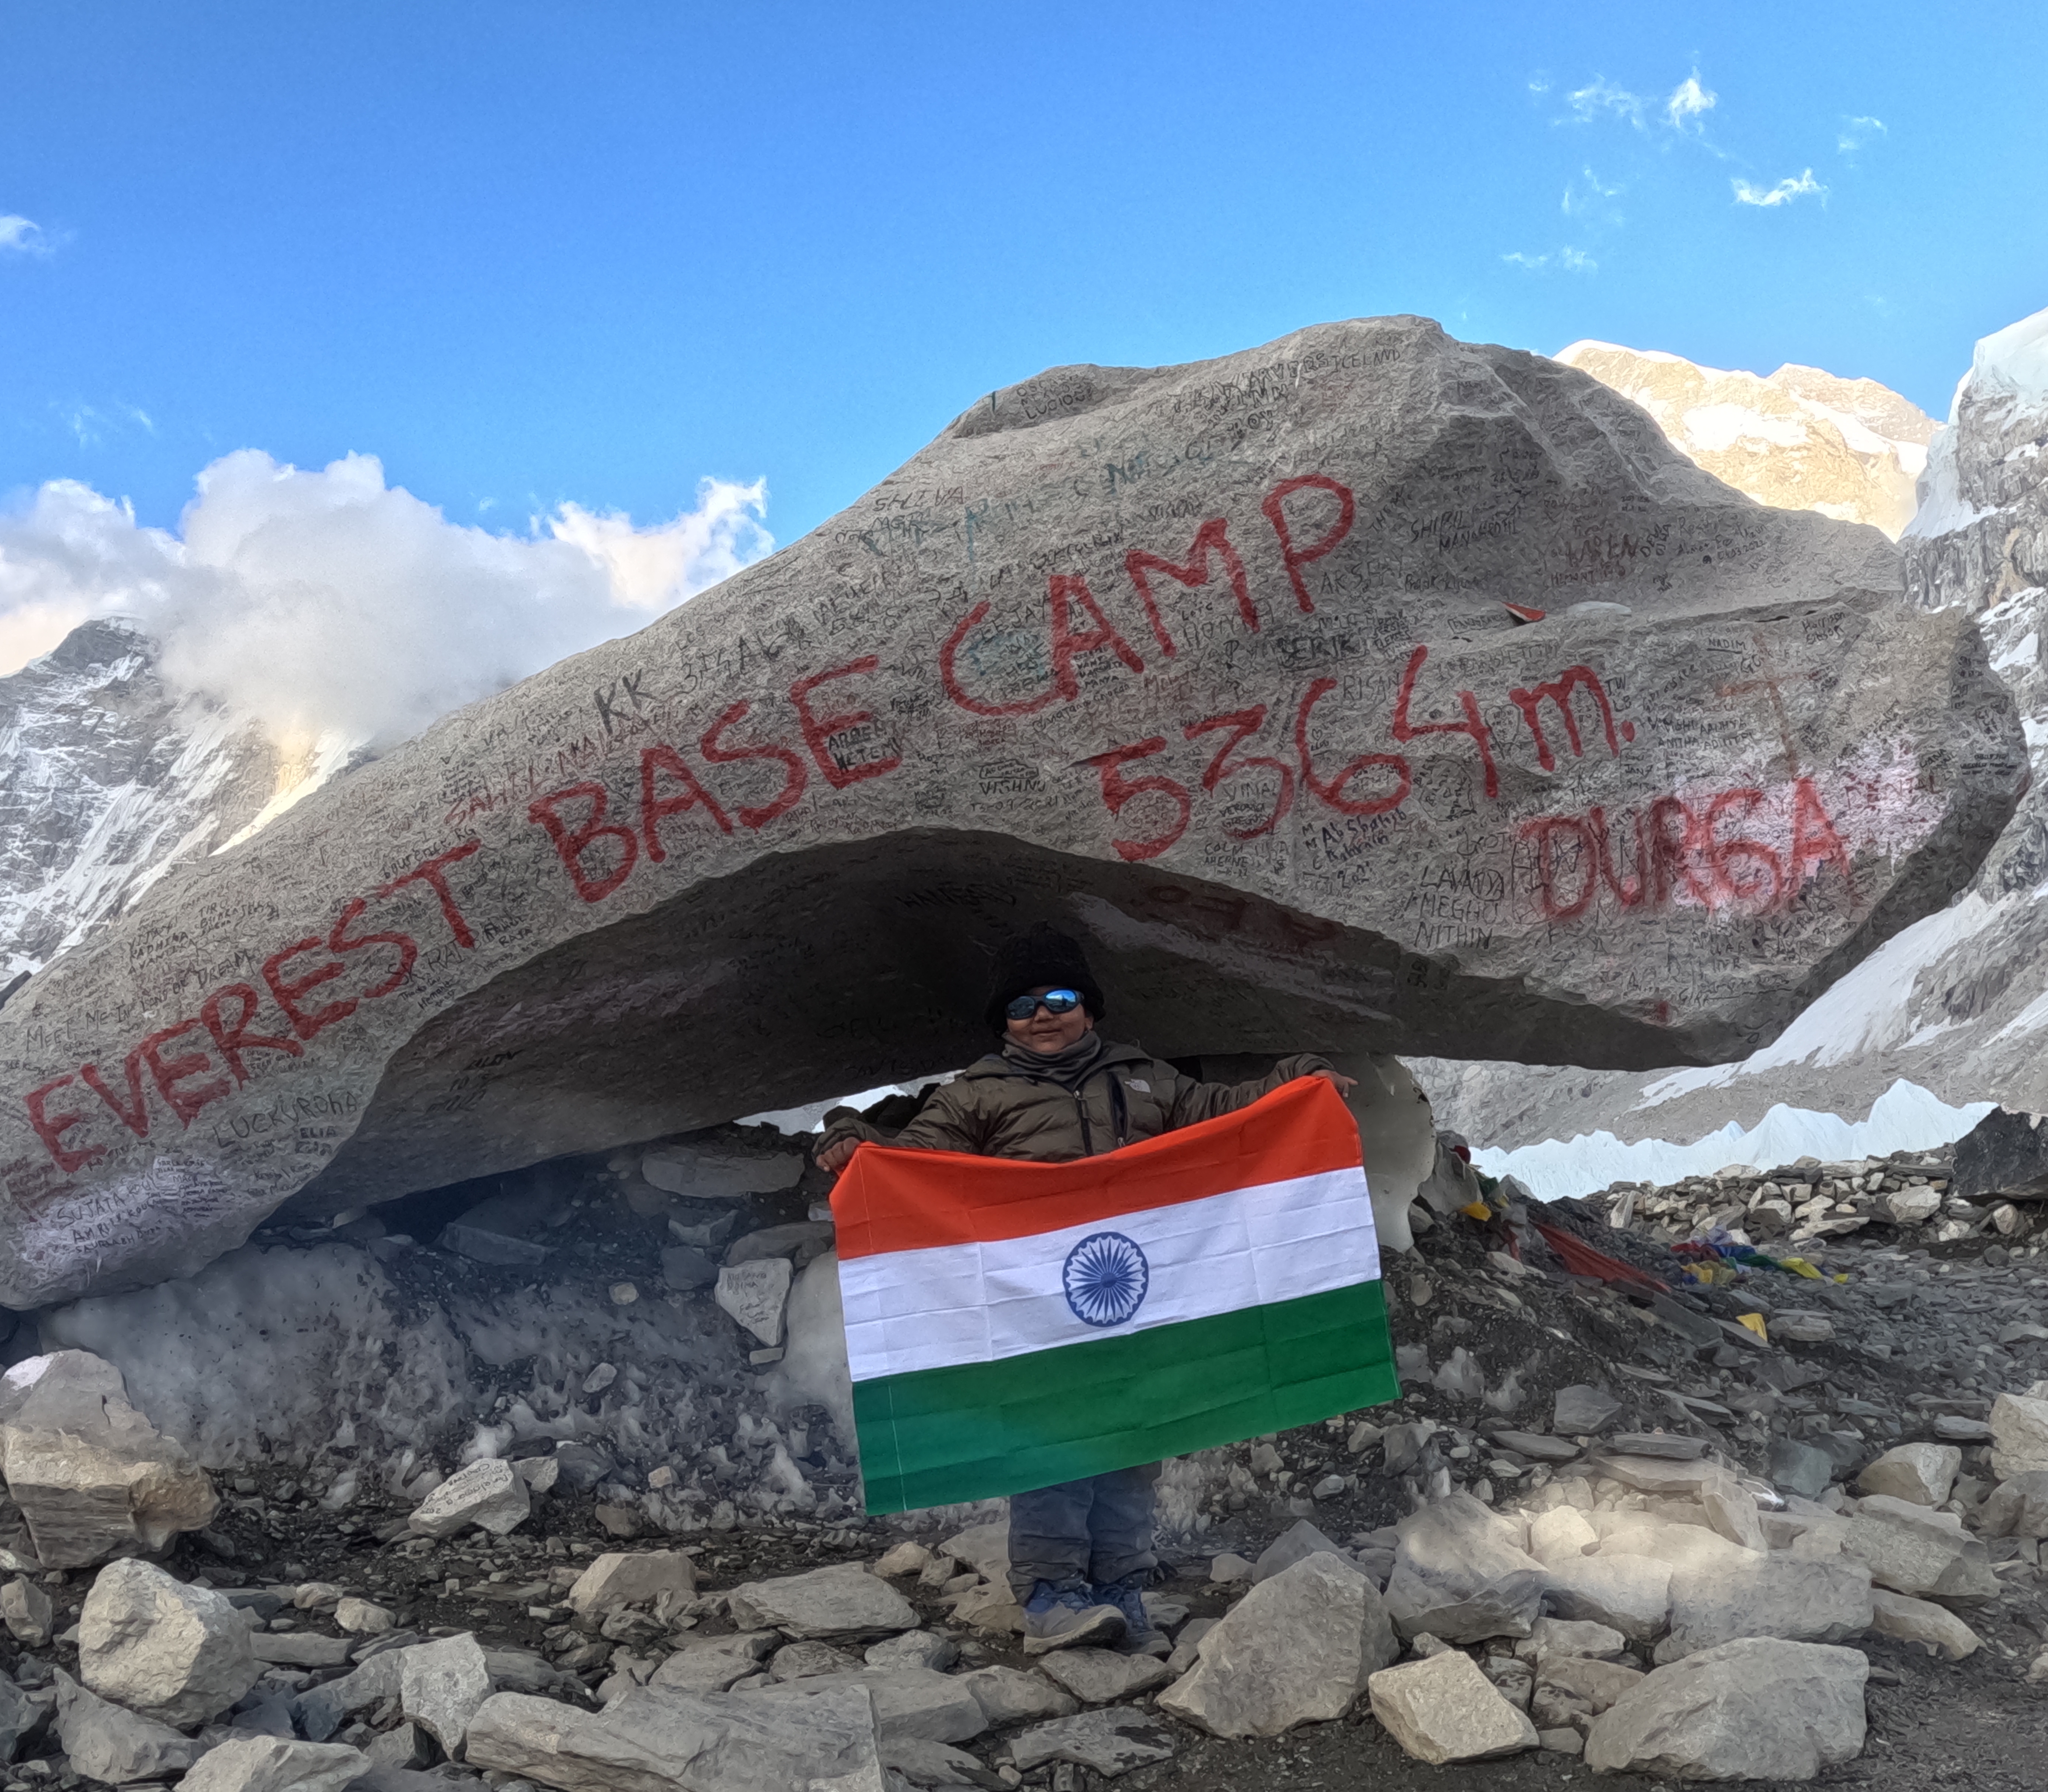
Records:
x=996, y=1065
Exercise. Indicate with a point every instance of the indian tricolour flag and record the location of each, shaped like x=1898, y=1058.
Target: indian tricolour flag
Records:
x=1010, y=1325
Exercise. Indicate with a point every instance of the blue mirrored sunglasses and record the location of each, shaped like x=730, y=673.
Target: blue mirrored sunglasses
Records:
x=1053, y=1002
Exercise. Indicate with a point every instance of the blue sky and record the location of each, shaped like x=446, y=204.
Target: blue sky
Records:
x=530, y=255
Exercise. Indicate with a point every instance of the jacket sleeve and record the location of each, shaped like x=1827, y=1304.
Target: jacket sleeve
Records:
x=947, y=1122
x=1194, y=1101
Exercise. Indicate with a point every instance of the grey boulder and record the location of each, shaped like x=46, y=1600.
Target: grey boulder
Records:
x=273, y=1764
x=841, y=1601
x=955, y=686
x=106, y=1744
x=1442, y=1709
x=653, y=1739
x=1776, y=1596
x=1631, y=1594
x=716, y=1662
x=1756, y=1709
x=2018, y=1507
x=1102, y=1676
x=1913, y=1551
x=1920, y=1474
x=1297, y=1649
x=442, y=1685
x=1298, y=1541
x=1584, y=1411
x=1459, y=1575
x=1009, y=1695
x=177, y=1653
x=908, y=1702
x=92, y=1476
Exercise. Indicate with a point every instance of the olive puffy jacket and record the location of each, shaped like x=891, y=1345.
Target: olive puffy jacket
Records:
x=996, y=1108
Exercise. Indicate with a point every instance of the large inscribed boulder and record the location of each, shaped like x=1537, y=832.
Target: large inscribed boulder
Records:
x=1367, y=692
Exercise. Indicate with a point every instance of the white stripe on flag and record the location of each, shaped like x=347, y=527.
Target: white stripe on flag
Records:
x=952, y=1303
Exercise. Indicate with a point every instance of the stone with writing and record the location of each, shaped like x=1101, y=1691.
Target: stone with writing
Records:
x=1212, y=665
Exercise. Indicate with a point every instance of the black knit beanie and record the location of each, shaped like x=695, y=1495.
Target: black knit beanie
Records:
x=1044, y=957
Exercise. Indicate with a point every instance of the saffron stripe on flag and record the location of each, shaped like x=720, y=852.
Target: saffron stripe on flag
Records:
x=907, y=1310
x=890, y=1199
x=973, y=1431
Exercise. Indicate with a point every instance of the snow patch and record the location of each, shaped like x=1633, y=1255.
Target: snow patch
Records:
x=1905, y=1118
x=1717, y=428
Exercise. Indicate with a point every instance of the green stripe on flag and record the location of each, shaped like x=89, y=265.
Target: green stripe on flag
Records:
x=976, y=1430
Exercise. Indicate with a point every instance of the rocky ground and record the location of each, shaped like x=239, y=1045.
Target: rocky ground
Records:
x=1808, y=1490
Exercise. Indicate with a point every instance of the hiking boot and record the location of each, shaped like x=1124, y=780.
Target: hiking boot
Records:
x=1141, y=1635
x=1062, y=1615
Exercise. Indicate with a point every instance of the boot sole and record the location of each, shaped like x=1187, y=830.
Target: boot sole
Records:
x=1104, y=1624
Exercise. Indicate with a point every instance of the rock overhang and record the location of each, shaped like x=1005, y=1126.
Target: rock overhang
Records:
x=1209, y=664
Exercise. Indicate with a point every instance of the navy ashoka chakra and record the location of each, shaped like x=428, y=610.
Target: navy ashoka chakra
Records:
x=1106, y=1277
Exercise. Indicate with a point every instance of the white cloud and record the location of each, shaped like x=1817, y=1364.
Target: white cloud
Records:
x=1581, y=195
x=329, y=601
x=1576, y=261
x=1517, y=258
x=22, y=236
x=1600, y=95
x=1786, y=190
x=1688, y=101
x=1855, y=132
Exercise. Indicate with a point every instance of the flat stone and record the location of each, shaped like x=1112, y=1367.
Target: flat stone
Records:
x=1920, y=1474
x=1581, y=1411
x=1297, y=1649
x=1754, y=1708
x=441, y=1686
x=1663, y=1446
x=1443, y=1709
x=114, y=1746
x=651, y=1738
x=481, y=1245
x=1908, y=1551
x=1108, y=1740
x=1102, y=1676
x=1572, y=1690
x=1228, y=1569
x=937, y=1764
x=911, y=1649
x=714, y=1663
x=1920, y=1620
x=1537, y=1445
x=178, y=1654
x=92, y=1476
x=909, y=1701
x=1778, y=1597
x=1295, y=1544
x=801, y=1661
x=1677, y=1545
x=992, y=1607
x=757, y=1295
x=300, y=1648
x=1631, y=1594
x=1956, y=1428
x=1009, y=1695
x=842, y=1601
x=620, y=1578
x=1554, y=1637
x=704, y=1172
x=1802, y=1328
x=489, y=1493
x=272, y=1764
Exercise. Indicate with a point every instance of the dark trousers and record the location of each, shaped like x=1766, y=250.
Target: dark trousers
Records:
x=1097, y=1529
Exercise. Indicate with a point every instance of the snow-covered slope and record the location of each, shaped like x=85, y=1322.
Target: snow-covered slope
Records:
x=1954, y=1011
x=107, y=779
x=1801, y=440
